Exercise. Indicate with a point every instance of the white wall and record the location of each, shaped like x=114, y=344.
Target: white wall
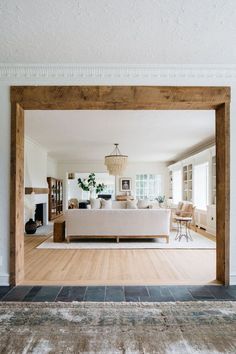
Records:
x=134, y=168
x=52, y=167
x=77, y=166
x=75, y=192
x=163, y=75
x=35, y=165
x=36, y=169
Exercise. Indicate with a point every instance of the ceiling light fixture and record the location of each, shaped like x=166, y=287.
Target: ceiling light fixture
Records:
x=116, y=162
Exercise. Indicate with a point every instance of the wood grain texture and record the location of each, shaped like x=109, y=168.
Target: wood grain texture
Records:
x=119, y=97
x=59, y=228
x=29, y=190
x=69, y=238
x=117, y=267
x=17, y=195
x=223, y=191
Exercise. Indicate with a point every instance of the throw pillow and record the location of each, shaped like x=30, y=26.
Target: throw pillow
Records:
x=95, y=203
x=131, y=204
x=179, y=208
x=154, y=205
x=143, y=203
x=106, y=204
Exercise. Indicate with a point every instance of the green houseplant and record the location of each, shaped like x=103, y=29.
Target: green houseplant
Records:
x=160, y=199
x=90, y=185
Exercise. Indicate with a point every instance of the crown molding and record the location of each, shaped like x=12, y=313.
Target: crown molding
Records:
x=209, y=143
x=115, y=71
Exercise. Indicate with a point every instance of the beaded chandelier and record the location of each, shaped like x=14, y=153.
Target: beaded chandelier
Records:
x=116, y=162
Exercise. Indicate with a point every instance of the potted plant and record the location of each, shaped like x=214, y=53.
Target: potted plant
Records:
x=90, y=185
x=160, y=199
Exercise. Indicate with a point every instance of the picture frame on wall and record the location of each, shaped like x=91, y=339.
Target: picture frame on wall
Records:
x=125, y=184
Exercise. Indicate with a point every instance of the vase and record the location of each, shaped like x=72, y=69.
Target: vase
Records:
x=30, y=227
x=92, y=194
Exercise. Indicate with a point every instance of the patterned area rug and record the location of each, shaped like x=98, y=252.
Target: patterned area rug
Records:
x=192, y=327
x=199, y=242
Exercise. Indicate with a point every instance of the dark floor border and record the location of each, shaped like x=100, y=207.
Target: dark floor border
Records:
x=117, y=293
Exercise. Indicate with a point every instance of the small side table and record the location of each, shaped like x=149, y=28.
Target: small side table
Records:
x=59, y=231
x=183, y=224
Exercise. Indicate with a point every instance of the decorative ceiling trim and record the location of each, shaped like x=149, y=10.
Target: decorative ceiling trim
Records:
x=96, y=71
x=195, y=150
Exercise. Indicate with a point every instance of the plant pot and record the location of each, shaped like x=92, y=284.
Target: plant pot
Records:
x=30, y=227
x=92, y=194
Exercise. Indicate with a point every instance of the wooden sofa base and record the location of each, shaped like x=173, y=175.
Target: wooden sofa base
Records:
x=118, y=237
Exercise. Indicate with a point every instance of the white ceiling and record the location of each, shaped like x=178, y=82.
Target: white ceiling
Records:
x=142, y=135
x=115, y=31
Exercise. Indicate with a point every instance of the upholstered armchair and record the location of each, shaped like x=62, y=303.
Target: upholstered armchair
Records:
x=184, y=209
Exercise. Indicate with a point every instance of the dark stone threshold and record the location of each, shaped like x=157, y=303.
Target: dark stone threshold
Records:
x=117, y=293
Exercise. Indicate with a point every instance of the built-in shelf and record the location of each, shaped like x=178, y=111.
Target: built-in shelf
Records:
x=55, y=197
x=170, y=184
x=187, y=182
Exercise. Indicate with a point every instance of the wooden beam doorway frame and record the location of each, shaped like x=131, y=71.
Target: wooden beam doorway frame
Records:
x=119, y=98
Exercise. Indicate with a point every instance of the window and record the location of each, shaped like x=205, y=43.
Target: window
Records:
x=75, y=192
x=177, y=186
x=109, y=182
x=148, y=186
x=200, y=186
x=110, y=186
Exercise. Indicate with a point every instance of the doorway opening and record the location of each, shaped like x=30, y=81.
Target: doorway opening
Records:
x=120, y=98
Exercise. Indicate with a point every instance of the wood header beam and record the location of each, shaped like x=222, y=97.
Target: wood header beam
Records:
x=119, y=97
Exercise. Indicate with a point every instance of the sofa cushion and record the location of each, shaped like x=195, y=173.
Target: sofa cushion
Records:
x=106, y=204
x=118, y=204
x=143, y=203
x=154, y=205
x=131, y=204
x=95, y=203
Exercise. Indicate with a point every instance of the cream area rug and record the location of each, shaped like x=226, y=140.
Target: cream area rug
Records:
x=44, y=230
x=181, y=328
x=199, y=242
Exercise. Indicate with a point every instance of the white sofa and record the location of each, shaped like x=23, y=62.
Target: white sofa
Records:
x=118, y=223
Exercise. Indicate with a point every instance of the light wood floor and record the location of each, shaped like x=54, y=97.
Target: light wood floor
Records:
x=117, y=267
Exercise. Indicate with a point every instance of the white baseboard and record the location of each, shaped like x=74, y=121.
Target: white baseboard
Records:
x=4, y=279
x=232, y=279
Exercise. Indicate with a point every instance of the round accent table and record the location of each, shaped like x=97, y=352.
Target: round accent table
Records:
x=183, y=224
